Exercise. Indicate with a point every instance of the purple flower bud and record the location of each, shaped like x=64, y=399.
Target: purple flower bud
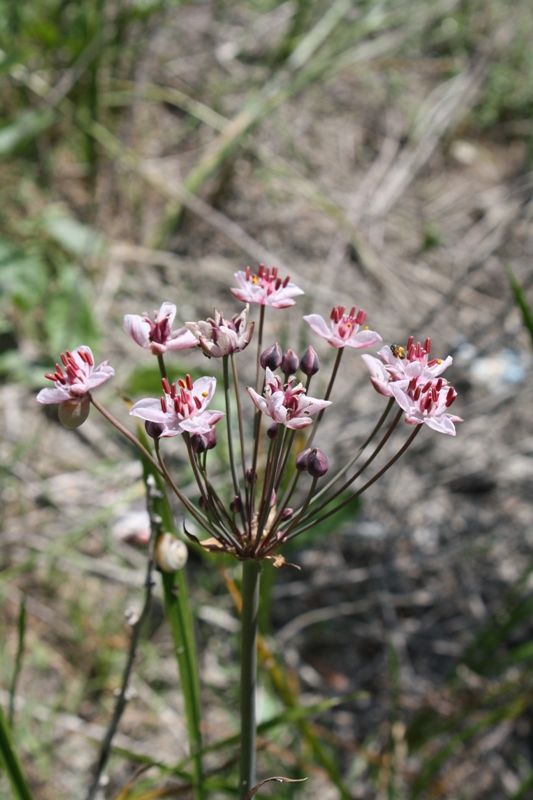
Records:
x=251, y=477
x=153, y=429
x=303, y=458
x=287, y=514
x=211, y=438
x=317, y=463
x=289, y=362
x=198, y=443
x=271, y=357
x=310, y=363
x=235, y=504
x=272, y=431
x=272, y=499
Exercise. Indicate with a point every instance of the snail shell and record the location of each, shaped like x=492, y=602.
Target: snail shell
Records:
x=170, y=553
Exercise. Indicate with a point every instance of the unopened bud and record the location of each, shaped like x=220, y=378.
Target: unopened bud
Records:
x=273, y=499
x=317, y=463
x=202, y=502
x=289, y=362
x=153, y=429
x=271, y=357
x=73, y=413
x=272, y=431
x=198, y=443
x=211, y=438
x=251, y=476
x=287, y=514
x=236, y=504
x=303, y=458
x=310, y=363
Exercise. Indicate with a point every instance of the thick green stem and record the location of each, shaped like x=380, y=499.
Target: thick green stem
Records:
x=251, y=571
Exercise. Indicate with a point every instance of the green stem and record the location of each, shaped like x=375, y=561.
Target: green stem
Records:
x=251, y=571
x=10, y=760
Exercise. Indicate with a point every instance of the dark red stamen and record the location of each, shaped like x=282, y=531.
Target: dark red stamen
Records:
x=427, y=346
x=197, y=401
x=163, y=405
x=261, y=270
x=166, y=385
x=189, y=382
x=286, y=281
x=248, y=272
x=275, y=272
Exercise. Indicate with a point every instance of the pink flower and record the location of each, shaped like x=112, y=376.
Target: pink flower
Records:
x=344, y=329
x=79, y=377
x=287, y=405
x=158, y=336
x=265, y=288
x=182, y=409
x=219, y=337
x=404, y=364
x=427, y=403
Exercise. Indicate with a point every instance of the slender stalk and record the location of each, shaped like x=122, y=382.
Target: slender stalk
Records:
x=240, y=418
x=359, y=492
x=233, y=468
x=122, y=699
x=358, y=452
x=179, y=615
x=162, y=367
x=18, y=661
x=251, y=571
x=125, y=432
x=10, y=760
x=360, y=471
x=320, y=414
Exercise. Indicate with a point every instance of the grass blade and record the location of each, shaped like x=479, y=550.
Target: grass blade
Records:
x=521, y=302
x=18, y=661
x=179, y=615
x=11, y=762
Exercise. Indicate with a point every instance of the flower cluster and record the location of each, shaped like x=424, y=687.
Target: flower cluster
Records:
x=412, y=378
x=264, y=505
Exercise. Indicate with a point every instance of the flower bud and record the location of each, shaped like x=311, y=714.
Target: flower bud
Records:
x=303, y=458
x=272, y=431
x=203, y=503
x=317, y=463
x=211, y=438
x=73, y=413
x=289, y=362
x=198, y=443
x=287, y=514
x=236, y=504
x=153, y=429
x=310, y=363
x=251, y=476
x=273, y=498
x=271, y=357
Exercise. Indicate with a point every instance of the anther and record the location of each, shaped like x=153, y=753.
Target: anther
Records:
x=189, y=382
x=166, y=385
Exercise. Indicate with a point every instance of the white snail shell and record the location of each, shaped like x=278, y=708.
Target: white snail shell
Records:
x=170, y=553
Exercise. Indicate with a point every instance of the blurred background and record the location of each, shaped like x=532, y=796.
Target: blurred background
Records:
x=380, y=153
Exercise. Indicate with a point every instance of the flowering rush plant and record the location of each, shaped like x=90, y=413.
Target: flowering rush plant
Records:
x=277, y=485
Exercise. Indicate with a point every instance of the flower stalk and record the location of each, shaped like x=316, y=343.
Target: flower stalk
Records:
x=251, y=571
